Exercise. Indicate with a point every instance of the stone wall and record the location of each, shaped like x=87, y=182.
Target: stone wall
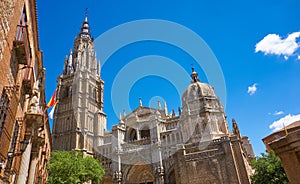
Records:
x=219, y=162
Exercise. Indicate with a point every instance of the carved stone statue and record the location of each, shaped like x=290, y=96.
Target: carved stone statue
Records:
x=34, y=102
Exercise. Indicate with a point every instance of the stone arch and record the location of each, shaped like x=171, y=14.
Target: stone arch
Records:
x=140, y=174
x=145, y=132
x=132, y=134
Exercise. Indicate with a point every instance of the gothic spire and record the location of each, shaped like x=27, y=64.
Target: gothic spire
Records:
x=124, y=113
x=158, y=105
x=85, y=28
x=65, y=65
x=98, y=67
x=70, y=69
x=121, y=119
x=165, y=108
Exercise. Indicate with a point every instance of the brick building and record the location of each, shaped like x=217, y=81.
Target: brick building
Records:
x=280, y=133
x=286, y=145
x=288, y=150
x=25, y=139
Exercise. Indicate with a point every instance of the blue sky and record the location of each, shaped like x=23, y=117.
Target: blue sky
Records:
x=255, y=43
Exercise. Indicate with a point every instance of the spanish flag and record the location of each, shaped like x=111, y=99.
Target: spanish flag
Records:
x=52, y=111
x=52, y=100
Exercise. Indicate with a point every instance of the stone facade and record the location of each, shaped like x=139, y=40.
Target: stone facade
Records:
x=25, y=139
x=148, y=145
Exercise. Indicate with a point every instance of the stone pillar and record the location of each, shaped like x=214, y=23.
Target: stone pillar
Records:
x=160, y=168
x=25, y=161
x=138, y=134
x=117, y=176
x=160, y=174
x=33, y=163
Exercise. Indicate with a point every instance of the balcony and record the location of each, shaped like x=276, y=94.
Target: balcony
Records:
x=136, y=146
x=143, y=141
x=28, y=81
x=21, y=46
x=33, y=120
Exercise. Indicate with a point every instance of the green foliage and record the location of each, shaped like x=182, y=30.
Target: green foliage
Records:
x=268, y=169
x=69, y=167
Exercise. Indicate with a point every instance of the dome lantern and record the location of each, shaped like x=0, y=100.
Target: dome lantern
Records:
x=194, y=76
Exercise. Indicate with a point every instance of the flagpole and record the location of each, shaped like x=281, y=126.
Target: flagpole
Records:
x=285, y=130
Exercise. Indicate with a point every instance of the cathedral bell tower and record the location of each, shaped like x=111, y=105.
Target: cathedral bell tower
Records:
x=79, y=120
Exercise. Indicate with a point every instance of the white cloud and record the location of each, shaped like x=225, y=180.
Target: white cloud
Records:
x=288, y=119
x=274, y=44
x=252, y=89
x=298, y=57
x=276, y=113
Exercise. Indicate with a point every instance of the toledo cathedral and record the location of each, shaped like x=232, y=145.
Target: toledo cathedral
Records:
x=148, y=145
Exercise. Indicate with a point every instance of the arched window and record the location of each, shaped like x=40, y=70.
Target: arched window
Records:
x=65, y=92
x=145, y=133
x=132, y=135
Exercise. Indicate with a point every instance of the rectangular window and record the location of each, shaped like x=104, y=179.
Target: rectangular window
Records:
x=14, y=138
x=12, y=147
x=22, y=24
x=95, y=94
x=4, y=104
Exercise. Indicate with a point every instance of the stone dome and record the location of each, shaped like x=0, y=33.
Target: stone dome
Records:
x=197, y=89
